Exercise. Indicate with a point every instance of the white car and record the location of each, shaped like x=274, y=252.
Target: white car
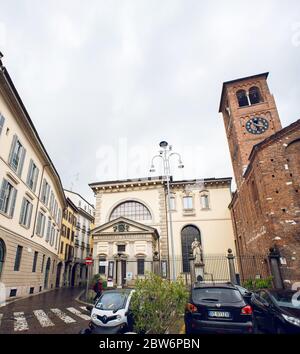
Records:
x=111, y=313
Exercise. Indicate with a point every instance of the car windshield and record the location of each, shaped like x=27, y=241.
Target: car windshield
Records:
x=287, y=299
x=112, y=301
x=216, y=295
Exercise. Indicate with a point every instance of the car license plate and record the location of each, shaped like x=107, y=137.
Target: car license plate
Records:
x=219, y=314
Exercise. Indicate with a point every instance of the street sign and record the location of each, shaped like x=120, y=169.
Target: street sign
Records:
x=89, y=261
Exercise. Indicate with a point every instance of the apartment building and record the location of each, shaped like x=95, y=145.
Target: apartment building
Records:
x=32, y=200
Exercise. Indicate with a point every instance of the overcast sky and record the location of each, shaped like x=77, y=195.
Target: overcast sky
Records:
x=106, y=81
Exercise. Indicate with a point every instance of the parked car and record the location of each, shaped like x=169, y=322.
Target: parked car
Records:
x=276, y=311
x=246, y=294
x=111, y=313
x=217, y=308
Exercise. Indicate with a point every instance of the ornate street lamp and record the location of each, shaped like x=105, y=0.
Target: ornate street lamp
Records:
x=165, y=154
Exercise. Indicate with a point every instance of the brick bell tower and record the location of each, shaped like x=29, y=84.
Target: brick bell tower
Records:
x=250, y=116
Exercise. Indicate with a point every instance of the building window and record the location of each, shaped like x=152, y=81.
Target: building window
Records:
x=52, y=234
x=242, y=98
x=17, y=155
x=8, y=196
x=48, y=231
x=43, y=261
x=61, y=248
x=172, y=201
x=141, y=266
x=187, y=202
x=131, y=210
x=188, y=235
x=51, y=202
x=45, y=192
x=32, y=176
x=2, y=120
x=18, y=258
x=254, y=95
x=204, y=198
x=13, y=292
x=102, y=265
x=26, y=212
x=40, y=226
x=121, y=248
x=34, y=261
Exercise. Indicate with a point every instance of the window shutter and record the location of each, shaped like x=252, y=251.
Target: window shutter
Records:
x=1, y=123
x=43, y=225
x=13, y=202
x=29, y=213
x=22, y=221
x=2, y=193
x=12, y=148
x=21, y=163
x=48, y=231
x=36, y=176
x=43, y=190
x=29, y=172
x=38, y=224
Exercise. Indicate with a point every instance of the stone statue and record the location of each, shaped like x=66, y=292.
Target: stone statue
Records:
x=197, y=252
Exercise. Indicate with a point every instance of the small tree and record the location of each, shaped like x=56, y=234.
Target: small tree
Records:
x=156, y=303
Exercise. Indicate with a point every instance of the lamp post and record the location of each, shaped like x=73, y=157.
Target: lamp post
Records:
x=165, y=154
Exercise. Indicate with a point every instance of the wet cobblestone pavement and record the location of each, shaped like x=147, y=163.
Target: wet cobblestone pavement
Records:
x=54, y=312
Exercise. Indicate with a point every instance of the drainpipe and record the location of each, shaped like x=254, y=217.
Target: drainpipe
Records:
x=38, y=200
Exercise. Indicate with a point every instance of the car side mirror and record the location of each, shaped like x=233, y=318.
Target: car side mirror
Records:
x=89, y=308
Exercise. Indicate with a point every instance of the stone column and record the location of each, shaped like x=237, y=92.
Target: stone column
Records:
x=274, y=257
x=232, y=273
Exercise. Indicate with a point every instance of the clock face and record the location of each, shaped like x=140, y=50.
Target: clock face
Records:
x=257, y=125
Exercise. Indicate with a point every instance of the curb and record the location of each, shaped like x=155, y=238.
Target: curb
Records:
x=26, y=297
x=80, y=301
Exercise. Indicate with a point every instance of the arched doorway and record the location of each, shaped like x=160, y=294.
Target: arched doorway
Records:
x=188, y=235
x=2, y=255
x=58, y=274
x=48, y=265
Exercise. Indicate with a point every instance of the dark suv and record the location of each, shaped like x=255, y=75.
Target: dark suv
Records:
x=217, y=308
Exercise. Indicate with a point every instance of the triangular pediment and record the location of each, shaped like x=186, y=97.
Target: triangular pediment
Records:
x=123, y=225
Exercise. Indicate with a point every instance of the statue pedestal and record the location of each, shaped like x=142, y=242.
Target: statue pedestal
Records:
x=199, y=272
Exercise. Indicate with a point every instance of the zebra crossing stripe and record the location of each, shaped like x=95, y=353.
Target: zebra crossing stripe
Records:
x=43, y=318
x=83, y=308
x=78, y=313
x=20, y=323
x=63, y=316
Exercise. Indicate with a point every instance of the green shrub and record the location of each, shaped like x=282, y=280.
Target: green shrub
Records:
x=256, y=284
x=157, y=303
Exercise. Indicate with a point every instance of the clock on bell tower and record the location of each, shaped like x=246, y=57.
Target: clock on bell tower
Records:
x=250, y=116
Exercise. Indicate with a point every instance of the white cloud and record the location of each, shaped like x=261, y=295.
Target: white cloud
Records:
x=143, y=71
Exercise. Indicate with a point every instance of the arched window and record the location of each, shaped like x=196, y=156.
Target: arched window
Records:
x=188, y=235
x=254, y=95
x=2, y=255
x=204, y=199
x=242, y=98
x=131, y=210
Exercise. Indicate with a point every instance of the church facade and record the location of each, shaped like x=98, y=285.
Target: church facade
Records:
x=266, y=162
x=131, y=224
